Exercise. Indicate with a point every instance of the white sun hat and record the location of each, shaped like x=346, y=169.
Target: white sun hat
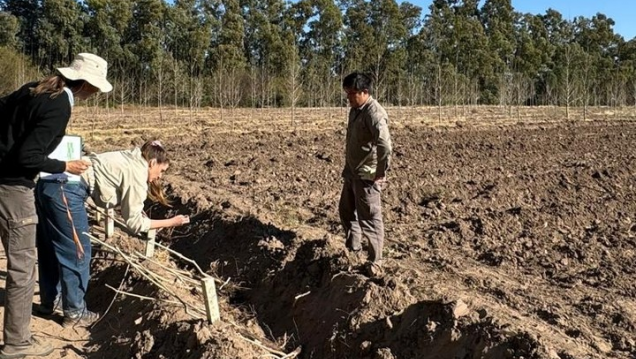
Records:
x=90, y=68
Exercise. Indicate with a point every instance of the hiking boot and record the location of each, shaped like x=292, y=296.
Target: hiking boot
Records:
x=374, y=269
x=36, y=348
x=84, y=319
x=48, y=309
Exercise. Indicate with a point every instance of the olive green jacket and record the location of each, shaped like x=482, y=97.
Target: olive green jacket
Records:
x=368, y=142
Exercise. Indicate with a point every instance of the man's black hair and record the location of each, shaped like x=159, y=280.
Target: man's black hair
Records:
x=358, y=81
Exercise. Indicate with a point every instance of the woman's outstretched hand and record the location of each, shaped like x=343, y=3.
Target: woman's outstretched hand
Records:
x=180, y=220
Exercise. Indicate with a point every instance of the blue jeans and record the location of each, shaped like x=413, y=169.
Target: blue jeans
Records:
x=60, y=267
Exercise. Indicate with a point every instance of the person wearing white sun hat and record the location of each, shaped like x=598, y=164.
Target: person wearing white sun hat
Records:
x=33, y=120
x=90, y=68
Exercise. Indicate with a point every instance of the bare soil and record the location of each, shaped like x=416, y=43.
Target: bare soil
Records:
x=510, y=234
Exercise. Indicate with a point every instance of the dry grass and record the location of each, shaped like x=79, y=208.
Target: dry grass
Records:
x=131, y=122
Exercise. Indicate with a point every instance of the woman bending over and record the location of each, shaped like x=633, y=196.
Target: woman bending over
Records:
x=120, y=178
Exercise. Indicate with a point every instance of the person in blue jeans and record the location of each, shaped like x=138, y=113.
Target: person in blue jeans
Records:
x=120, y=178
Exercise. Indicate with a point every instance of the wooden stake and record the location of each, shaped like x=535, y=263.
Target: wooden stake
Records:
x=110, y=222
x=211, y=300
x=150, y=243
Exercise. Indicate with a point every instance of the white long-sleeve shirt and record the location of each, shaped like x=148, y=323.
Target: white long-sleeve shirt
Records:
x=121, y=178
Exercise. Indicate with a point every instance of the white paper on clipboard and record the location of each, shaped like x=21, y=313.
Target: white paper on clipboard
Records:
x=70, y=148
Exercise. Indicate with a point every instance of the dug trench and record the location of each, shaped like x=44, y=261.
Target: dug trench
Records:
x=507, y=242
x=307, y=293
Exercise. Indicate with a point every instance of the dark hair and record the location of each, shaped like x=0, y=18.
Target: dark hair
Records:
x=55, y=85
x=153, y=150
x=358, y=81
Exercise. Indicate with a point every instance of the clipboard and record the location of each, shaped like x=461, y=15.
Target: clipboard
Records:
x=70, y=148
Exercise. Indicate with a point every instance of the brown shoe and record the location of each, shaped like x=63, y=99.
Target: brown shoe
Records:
x=36, y=348
x=374, y=269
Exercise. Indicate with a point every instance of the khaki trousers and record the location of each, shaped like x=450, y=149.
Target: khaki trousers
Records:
x=18, y=220
x=360, y=211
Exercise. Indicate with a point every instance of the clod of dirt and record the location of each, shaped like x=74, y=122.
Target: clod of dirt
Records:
x=365, y=347
x=203, y=333
x=384, y=353
x=602, y=345
x=271, y=244
x=460, y=309
x=324, y=157
x=144, y=341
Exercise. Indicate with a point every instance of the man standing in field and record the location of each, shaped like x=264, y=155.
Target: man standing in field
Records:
x=367, y=156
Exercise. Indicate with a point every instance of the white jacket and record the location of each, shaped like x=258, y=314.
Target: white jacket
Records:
x=121, y=178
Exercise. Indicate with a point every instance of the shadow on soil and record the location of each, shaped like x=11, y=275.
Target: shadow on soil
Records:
x=298, y=289
x=132, y=327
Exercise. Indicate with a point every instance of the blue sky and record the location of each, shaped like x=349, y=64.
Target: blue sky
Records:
x=622, y=12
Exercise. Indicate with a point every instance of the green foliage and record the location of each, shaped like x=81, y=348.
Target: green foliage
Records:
x=15, y=70
x=9, y=28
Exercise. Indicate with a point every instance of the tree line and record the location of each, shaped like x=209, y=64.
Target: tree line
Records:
x=269, y=53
